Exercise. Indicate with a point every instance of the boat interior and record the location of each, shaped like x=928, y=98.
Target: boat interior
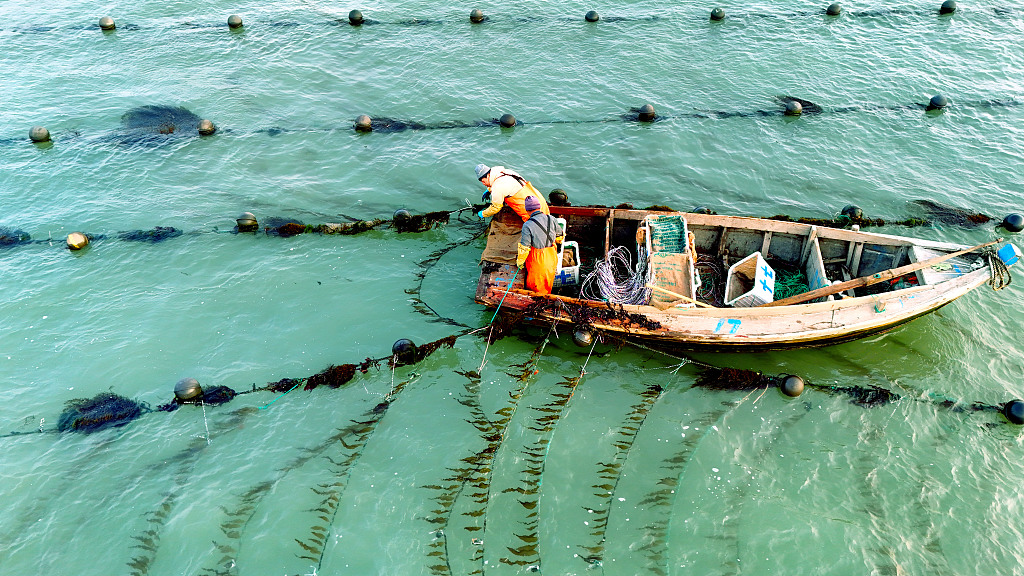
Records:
x=727, y=261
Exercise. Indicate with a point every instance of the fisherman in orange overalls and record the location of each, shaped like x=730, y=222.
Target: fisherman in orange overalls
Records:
x=507, y=187
x=537, y=247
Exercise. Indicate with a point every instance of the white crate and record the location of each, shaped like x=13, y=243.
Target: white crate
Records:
x=751, y=282
x=568, y=275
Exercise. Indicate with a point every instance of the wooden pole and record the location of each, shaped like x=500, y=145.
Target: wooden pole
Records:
x=680, y=296
x=874, y=278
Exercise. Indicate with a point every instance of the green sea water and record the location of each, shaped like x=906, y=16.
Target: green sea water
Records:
x=627, y=469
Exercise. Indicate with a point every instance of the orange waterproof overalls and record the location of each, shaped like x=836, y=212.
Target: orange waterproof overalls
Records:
x=537, y=251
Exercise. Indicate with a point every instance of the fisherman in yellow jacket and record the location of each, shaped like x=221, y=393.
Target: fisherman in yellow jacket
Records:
x=537, y=247
x=506, y=187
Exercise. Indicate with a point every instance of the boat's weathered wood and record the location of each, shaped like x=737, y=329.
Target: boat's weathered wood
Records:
x=608, y=223
x=846, y=278
x=874, y=278
x=717, y=221
x=766, y=243
x=679, y=296
x=720, y=248
x=584, y=211
x=853, y=263
x=759, y=328
x=806, y=252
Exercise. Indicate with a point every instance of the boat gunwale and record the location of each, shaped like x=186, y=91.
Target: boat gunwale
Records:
x=938, y=294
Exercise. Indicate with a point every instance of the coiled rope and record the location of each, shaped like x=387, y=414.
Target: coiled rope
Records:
x=617, y=281
x=999, y=277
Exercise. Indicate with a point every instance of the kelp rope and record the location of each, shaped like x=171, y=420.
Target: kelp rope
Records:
x=109, y=409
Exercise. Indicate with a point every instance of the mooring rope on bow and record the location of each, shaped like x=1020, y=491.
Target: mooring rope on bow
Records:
x=1000, y=276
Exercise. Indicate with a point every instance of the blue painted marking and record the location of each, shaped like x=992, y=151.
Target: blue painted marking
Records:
x=563, y=277
x=768, y=272
x=1008, y=254
x=817, y=281
x=764, y=285
x=733, y=325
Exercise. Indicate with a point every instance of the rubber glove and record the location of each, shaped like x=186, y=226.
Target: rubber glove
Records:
x=480, y=214
x=522, y=253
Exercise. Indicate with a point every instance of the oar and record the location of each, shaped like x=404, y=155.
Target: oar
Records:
x=874, y=278
x=680, y=296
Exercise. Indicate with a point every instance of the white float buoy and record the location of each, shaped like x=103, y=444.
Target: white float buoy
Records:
x=39, y=134
x=246, y=222
x=77, y=241
x=206, y=127
x=187, y=390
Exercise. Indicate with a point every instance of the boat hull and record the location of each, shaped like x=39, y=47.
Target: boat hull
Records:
x=684, y=326
x=731, y=329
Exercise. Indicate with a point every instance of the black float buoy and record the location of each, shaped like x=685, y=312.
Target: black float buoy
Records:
x=206, y=127
x=592, y=16
x=355, y=17
x=558, y=197
x=77, y=241
x=853, y=212
x=234, y=21
x=39, y=134
x=948, y=7
x=187, y=391
x=507, y=121
x=792, y=386
x=938, y=102
x=364, y=123
x=476, y=16
x=833, y=9
x=793, y=108
x=246, y=222
x=107, y=23
x=1014, y=411
x=582, y=337
x=1013, y=222
x=404, y=351
x=646, y=113
x=401, y=215
x=717, y=14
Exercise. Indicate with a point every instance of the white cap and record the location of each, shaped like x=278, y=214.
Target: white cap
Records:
x=482, y=170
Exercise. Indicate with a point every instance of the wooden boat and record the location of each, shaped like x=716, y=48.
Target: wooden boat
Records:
x=709, y=282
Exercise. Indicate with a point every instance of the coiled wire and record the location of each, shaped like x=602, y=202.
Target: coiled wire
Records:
x=615, y=280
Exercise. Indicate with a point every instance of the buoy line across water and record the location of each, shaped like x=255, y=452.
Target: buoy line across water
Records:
x=403, y=221
x=109, y=409
x=789, y=107
x=357, y=20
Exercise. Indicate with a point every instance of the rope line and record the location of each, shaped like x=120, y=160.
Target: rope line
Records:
x=340, y=21
x=390, y=125
x=1000, y=276
x=615, y=280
